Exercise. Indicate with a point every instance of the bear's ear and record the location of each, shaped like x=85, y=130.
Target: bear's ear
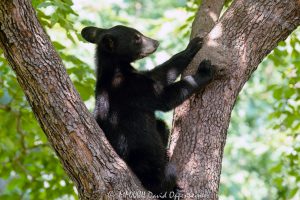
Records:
x=108, y=42
x=91, y=33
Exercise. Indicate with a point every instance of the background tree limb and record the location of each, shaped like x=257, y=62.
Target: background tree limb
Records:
x=206, y=17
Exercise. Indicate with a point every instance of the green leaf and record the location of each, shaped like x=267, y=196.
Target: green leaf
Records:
x=292, y=193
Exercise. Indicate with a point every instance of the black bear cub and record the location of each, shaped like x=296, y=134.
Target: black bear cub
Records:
x=126, y=100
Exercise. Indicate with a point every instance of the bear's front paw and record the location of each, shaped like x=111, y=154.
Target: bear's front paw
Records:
x=206, y=69
x=194, y=46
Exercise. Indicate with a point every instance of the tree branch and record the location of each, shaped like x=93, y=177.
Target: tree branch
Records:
x=206, y=17
x=244, y=35
x=78, y=141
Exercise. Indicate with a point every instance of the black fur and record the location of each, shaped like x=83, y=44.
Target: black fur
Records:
x=126, y=100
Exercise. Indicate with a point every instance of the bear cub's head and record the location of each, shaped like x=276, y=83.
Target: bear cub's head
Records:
x=122, y=42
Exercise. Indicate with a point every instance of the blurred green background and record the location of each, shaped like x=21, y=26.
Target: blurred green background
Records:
x=261, y=159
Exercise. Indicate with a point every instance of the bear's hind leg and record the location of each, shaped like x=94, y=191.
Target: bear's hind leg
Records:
x=163, y=131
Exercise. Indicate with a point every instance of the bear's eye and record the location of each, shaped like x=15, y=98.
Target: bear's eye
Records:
x=137, y=38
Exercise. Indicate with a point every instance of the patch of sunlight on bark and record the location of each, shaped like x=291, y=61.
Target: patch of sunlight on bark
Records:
x=214, y=35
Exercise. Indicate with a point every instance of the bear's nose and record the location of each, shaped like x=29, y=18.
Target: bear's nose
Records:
x=156, y=43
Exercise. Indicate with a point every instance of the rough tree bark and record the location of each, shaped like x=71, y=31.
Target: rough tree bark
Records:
x=80, y=144
x=206, y=17
x=246, y=33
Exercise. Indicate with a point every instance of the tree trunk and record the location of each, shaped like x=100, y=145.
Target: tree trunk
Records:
x=244, y=35
x=80, y=144
x=248, y=31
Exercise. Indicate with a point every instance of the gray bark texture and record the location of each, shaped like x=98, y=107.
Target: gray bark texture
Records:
x=206, y=17
x=238, y=42
x=75, y=136
x=245, y=34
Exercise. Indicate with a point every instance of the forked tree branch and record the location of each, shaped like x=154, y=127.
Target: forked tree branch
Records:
x=248, y=31
x=244, y=35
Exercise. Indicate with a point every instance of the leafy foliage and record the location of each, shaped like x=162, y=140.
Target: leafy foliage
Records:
x=262, y=152
x=286, y=116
